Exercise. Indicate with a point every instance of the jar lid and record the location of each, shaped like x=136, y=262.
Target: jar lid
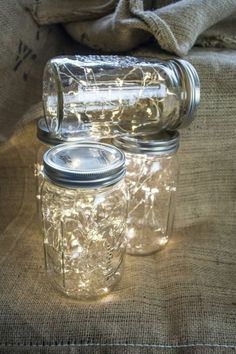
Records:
x=84, y=165
x=161, y=143
x=191, y=82
x=44, y=135
x=65, y=135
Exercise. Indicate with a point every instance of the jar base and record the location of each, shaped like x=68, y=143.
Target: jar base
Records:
x=144, y=240
x=87, y=294
x=136, y=252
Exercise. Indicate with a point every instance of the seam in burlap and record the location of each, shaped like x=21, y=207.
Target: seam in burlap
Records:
x=159, y=27
x=140, y=345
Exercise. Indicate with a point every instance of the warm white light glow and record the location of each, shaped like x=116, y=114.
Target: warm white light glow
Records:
x=130, y=233
x=84, y=237
x=151, y=182
x=124, y=99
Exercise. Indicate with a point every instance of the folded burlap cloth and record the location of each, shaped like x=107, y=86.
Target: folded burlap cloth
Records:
x=180, y=300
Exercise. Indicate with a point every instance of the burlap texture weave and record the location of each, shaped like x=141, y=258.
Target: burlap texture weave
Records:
x=121, y=25
x=25, y=48
x=180, y=300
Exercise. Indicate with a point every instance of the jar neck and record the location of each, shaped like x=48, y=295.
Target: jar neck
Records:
x=74, y=190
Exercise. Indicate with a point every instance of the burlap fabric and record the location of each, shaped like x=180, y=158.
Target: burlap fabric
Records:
x=121, y=25
x=25, y=48
x=180, y=300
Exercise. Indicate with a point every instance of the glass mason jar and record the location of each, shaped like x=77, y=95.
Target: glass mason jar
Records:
x=151, y=178
x=112, y=95
x=84, y=212
x=48, y=140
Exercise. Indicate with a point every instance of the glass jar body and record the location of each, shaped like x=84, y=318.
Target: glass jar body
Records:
x=110, y=95
x=152, y=182
x=46, y=141
x=84, y=239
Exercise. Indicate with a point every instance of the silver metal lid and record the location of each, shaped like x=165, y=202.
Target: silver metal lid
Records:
x=162, y=143
x=84, y=165
x=191, y=84
x=44, y=135
x=66, y=134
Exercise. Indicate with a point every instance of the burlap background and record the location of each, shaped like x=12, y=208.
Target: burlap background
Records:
x=25, y=48
x=180, y=300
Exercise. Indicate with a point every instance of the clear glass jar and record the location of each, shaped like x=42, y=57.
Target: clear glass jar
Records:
x=151, y=178
x=84, y=211
x=112, y=95
x=48, y=140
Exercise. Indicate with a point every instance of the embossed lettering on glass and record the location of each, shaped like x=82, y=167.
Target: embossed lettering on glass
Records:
x=112, y=95
x=151, y=178
x=84, y=209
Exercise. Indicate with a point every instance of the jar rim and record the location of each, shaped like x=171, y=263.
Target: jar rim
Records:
x=191, y=83
x=46, y=137
x=84, y=164
x=162, y=143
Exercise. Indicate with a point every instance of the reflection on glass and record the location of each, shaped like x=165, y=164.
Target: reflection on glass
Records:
x=111, y=95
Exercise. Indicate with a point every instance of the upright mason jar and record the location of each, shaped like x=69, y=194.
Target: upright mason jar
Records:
x=48, y=140
x=151, y=178
x=112, y=95
x=84, y=212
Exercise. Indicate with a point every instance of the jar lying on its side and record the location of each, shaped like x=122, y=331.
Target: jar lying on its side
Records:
x=113, y=95
x=152, y=174
x=84, y=210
